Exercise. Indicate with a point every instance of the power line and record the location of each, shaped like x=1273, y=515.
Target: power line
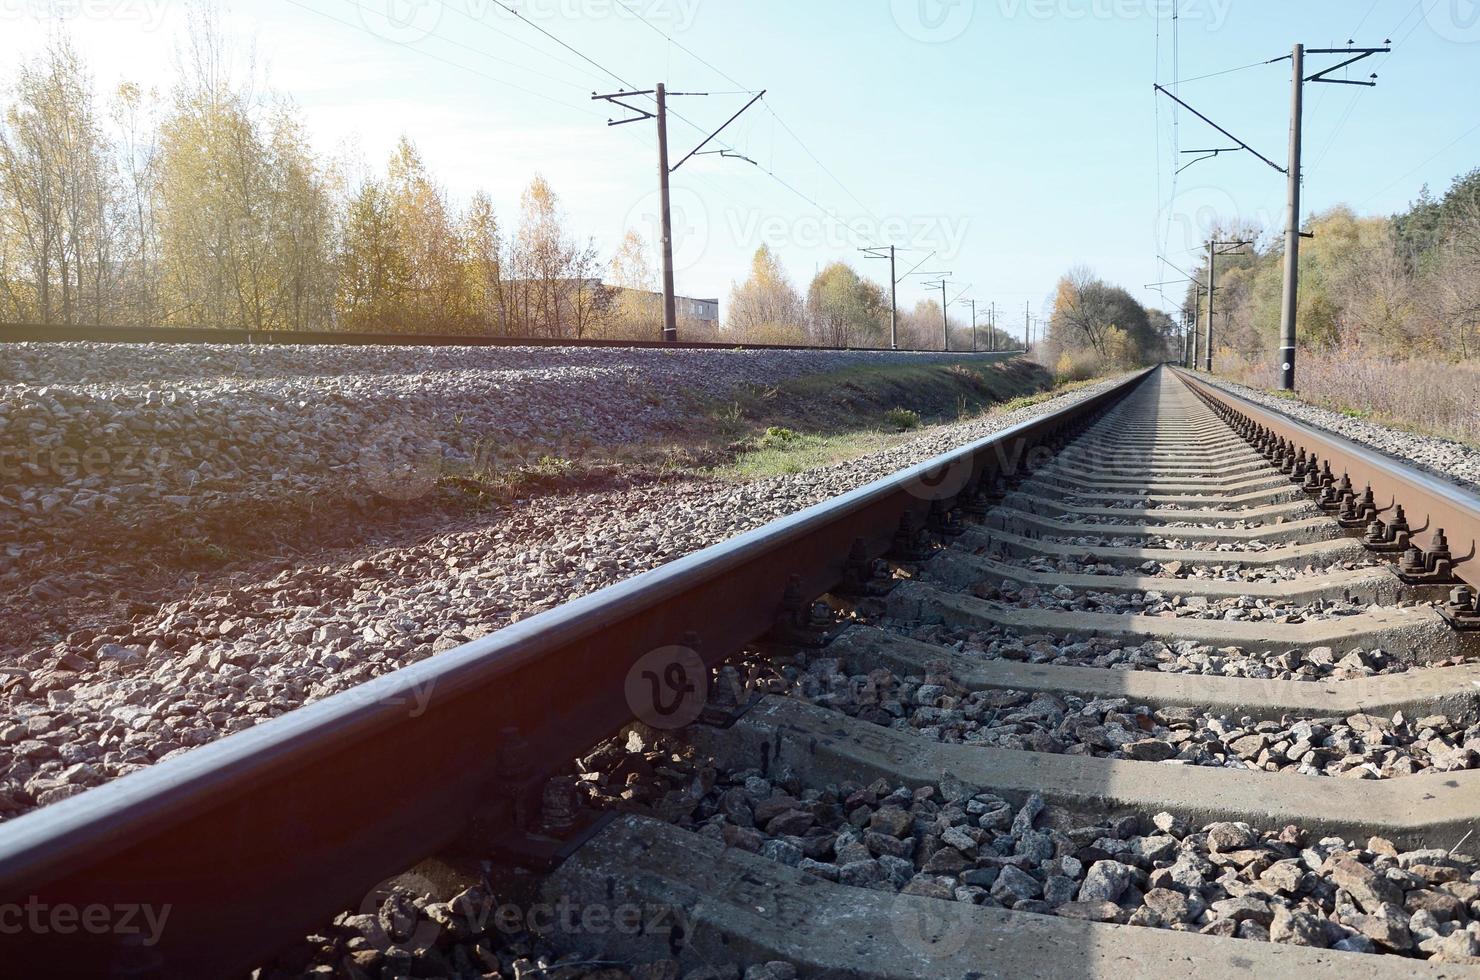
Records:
x=1363, y=21
x=455, y=64
x=1226, y=71
x=543, y=52
x=769, y=108
x=684, y=48
x=1418, y=23
x=584, y=57
x=1331, y=141
x=1411, y=10
x=1451, y=145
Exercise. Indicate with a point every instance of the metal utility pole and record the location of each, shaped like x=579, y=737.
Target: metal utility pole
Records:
x=893, y=303
x=1290, y=303
x=972, y=304
x=945, y=305
x=1027, y=326
x=1291, y=299
x=670, y=297
x=1193, y=366
x=660, y=95
x=1213, y=253
x=894, y=281
x=992, y=329
x=945, y=319
x=1212, y=284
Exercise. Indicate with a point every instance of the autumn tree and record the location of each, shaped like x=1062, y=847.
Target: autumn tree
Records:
x=482, y=245
x=373, y=271
x=1091, y=316
x=433, y=296
x=245, y=213
x=303, y=228
x=55, y=181
x=553, y=284
x=637, y=305
x=846, y=310
x=137, y=156
x=766, y=308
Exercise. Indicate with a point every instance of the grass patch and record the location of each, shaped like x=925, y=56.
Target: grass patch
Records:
x=815, y=438
x=803, y=453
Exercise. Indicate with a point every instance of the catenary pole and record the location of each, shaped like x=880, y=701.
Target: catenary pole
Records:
x=1291, y=299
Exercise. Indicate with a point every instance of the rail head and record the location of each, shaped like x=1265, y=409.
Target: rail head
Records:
x=1432, y=505
x=250, y=842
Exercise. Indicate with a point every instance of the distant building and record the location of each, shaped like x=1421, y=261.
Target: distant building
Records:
x=702, y=310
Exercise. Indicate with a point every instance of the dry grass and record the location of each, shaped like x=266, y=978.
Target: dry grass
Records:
x=1435, y=398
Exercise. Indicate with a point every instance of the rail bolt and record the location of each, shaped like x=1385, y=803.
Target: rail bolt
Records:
x=1413, y=562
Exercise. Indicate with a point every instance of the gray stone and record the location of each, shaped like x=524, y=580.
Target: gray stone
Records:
x=1106, y=881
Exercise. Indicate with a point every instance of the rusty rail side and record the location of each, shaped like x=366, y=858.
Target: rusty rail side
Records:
x=253, y=841
x=1432, y=506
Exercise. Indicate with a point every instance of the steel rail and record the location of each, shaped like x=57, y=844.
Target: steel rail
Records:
x=1431, y=504
x=17, y=333
x=255, y=840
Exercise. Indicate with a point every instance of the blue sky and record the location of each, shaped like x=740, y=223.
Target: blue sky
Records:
x=1014, y=137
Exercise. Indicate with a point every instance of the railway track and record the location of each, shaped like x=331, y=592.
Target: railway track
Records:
x=1163, y=682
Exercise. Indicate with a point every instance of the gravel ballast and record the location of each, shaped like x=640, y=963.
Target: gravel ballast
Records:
x=938, y=707
x=949, y=842
x=112, y=698
x=141, y=432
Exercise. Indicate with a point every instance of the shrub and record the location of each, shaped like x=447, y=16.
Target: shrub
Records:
x=1076, y=366
x=1433, y=397
x=902, y=419
x=777, y=436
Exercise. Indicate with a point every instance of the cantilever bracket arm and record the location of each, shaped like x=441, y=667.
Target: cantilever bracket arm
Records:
x=1241, y=143
x=615, y=98
x=711, y=136
x=1207, y=155
x=1357, y=55
x=726, y=155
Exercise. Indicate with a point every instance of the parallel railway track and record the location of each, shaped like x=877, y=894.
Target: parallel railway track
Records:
x=1136, y=616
